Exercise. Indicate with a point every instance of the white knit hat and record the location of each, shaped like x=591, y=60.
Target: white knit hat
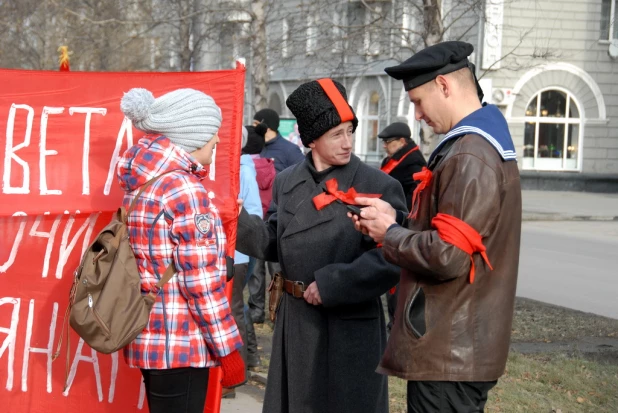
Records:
x=187, y=117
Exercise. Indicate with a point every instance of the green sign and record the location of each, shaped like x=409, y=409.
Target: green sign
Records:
x=286, y=127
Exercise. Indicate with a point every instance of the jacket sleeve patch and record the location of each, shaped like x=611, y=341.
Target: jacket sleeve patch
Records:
x=203, y=223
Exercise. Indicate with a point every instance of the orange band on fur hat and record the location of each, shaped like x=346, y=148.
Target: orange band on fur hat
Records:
x=343, y=109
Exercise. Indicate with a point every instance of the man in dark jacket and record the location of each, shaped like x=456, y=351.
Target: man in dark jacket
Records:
x=284, y=153
x=404, y=158
x=330, y=329
x=403, y=161
x=460, y=250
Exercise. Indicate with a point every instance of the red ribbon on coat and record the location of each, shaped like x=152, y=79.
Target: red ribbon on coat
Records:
x=392, y=163
x=332, y=194
x=463, y=236
x=424, y=178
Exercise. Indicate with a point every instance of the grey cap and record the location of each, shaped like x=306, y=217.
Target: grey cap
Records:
x=187, y=117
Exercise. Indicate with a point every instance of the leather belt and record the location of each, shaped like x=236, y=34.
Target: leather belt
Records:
x=295, y=288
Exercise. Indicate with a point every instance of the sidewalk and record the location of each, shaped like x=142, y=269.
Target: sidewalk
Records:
x=537, y=206
x=249, y=399
x=569, y=206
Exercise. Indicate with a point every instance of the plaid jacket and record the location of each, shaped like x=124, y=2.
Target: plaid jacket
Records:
x=191, y=323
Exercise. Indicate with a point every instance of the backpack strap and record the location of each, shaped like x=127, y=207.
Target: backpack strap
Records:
x=169, y=273
x=125, y=215
x=171, y=269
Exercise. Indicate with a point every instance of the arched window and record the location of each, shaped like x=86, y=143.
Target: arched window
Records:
x=552, y=136
x=274, y=103
x=370, y=148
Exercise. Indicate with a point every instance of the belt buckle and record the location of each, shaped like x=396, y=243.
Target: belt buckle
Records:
x=302, y=289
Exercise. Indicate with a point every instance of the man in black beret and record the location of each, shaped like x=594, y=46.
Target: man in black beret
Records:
x=330, y=330
x=459, y=247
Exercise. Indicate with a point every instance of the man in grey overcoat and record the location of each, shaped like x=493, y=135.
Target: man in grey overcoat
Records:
x=330, y=331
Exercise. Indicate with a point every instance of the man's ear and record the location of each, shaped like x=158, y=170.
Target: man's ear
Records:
x=443, y=85
x=312, y=145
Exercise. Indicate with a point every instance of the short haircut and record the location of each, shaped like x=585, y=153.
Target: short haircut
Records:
x=464, y=77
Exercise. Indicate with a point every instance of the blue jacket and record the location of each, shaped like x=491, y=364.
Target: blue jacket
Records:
x=284, y=153
x=250, y=194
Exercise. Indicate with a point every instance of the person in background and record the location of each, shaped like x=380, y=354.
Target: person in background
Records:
x=284, y=154
x=264, y=167
x=265, y=176
x=276, y=147
x=191, y=327
x=250, y=195
x=403, y=159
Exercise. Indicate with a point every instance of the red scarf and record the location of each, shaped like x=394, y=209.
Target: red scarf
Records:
x=332, y=194
x=463, y=236
x=424, y=178
x=392, y=163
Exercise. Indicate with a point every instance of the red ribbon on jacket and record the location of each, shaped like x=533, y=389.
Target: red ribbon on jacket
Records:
x=392, y=163
x=463, y=236
x=332, y=194
x=424, y=178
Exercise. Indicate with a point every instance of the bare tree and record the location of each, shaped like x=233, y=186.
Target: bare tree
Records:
x=340, y=38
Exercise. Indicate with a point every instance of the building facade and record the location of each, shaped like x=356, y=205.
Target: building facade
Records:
x=551, y=67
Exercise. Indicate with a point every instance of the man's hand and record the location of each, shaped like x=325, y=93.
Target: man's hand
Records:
x=239, y=202
x=312, y=295
x=376, y=217
x=380, y=205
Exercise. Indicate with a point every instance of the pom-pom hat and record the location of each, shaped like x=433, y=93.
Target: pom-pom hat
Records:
x=187, y=117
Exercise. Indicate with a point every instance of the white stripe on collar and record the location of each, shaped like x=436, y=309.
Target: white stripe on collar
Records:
x=506, y=155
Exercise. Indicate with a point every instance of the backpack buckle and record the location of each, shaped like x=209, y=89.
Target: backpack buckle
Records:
x=154, y=291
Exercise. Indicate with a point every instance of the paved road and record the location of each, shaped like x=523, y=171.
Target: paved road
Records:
x=571, y=264
x=249, y=399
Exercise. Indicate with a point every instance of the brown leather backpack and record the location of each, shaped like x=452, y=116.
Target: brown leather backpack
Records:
x=106, y=306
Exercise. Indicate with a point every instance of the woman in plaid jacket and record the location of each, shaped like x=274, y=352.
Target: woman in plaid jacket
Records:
x=191, y=327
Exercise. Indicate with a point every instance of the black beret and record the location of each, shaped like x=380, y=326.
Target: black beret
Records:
x=426, y=65
x=395, y=130
x=269, y=117
x=319, y=106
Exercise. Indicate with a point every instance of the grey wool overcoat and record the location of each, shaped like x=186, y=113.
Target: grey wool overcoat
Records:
x=324, y=357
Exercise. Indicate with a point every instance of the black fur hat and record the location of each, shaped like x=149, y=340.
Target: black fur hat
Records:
x=319, y=106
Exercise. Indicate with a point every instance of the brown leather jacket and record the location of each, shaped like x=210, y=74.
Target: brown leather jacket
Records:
x=446, y=328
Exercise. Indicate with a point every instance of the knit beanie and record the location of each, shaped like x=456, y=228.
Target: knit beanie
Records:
x=269, y=117
x=255, y=139
x=319, y=106
x=187, y=117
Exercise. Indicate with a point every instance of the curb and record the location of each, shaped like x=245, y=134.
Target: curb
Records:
x=541, y=216
x=258, y=377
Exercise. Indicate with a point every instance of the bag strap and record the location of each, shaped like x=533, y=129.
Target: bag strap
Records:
x=167, y=275
x=171, y=269
x=65, y=329
x=139, y=193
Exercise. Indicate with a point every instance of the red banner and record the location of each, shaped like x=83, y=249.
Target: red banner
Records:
x=61, y=134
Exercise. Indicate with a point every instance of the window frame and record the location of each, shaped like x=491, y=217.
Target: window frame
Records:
x=363, y=130
x=312, y=35
x=613, y=11
x=537, y=119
